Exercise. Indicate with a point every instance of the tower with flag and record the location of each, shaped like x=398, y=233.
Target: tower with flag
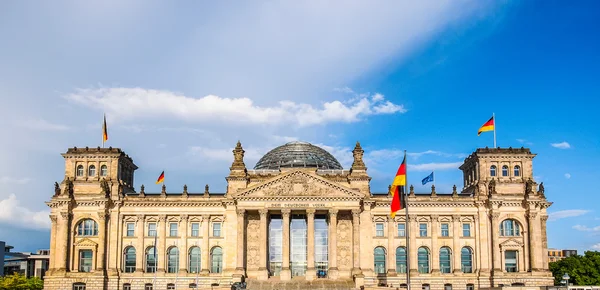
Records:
x=490, y=125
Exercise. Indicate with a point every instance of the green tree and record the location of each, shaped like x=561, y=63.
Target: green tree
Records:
x=20, y=282
x=583, y=270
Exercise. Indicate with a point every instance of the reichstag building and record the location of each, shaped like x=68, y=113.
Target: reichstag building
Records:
x=297, y=219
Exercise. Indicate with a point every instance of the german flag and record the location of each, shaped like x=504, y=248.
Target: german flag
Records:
x=398, y=202
x=104, y=130
x=161, y=178
x=488, y=126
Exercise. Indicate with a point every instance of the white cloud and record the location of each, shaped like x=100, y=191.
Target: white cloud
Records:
x=345, y=90
x=525, y=142
x=435, y=166
x=437, y=153
x=596, y=247
x=586, y=229
x=8, y=180
x=561, y=145
x=567, y=175
x=132, y=103
x=12, y=213
x=566, y=214
x=42, y=125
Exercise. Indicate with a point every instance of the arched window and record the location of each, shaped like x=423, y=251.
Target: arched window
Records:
x=92, y=170
x=466, y=260
x=173, y=259
x=510, y=228
x=78, y=286
x=504, y=170
x=150, y=260
x=129, y=260
x=80, y=170
x=445, y=260
x=423, y=260
x=517, y=170
x=194, y=259
x=493, y=170
x=87, y=227
x=216, y=260
x=401, y=260
x=103, y=170
x=379, y=258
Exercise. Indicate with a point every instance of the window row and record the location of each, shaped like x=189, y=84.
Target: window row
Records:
x=151, y=259
x=444, y=230
x=516, y=170
x=92, y=170
x=127, y=286
x=89, y=227
x=423, y=260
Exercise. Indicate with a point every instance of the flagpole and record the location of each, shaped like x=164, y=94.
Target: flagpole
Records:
x=407, y=227
x=494, y=117
x=103, y=128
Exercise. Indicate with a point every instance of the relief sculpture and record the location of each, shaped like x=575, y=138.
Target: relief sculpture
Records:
x=253, y=241
x=298, y=185
x=344, y=241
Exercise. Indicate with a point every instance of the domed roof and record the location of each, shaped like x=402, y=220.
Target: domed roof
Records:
x=298, y=154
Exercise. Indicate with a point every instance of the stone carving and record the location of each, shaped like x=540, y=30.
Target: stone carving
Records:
x=105, y=187
x=185, y=192
x=456, y=217
x=238, y=157
x=263, y=213
x=356, y=214
x=494, y=215
x=53, y=218
x=162, y=218
x=206, y=192
x=532, y=215
x=412, y=218
x=454, y=192
x=412, y=190
x=142, y=192
x=433, y=193
x=544, y=218
x=344, y=241
x=56, y=189
x=298, y=185
x=358, y=153
x=541, y=189
x=435, y=217
x=529, y=186
x=492, y=187
x=333, y=212
x=184, y=217
x=69, y=187
x=163, y=192
x=253, y=241
x=310, y=212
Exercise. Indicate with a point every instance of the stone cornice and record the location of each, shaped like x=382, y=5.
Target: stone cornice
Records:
x=298, y=198
x=430, y=204
x=167, y=203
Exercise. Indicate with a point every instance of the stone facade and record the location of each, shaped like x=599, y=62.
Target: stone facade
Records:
x=494, y=230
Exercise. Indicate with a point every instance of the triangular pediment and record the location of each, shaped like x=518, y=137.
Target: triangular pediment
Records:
x=85, y=242
x=298, y=184
x=511, y=243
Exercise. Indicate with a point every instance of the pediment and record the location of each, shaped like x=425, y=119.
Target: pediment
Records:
x=511, y=243
x=298, y=184
x=85, y=242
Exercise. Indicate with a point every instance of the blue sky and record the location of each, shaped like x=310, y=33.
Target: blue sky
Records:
x=181, y=84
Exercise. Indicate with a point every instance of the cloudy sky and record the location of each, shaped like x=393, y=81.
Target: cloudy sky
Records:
x=180, y=84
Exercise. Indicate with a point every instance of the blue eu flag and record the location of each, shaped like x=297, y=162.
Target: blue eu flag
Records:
x=429, y=178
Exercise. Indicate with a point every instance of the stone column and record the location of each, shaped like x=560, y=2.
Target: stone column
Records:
x=391, y=252
x=534, y=245
x=311, y=272
x=434, y=252
x=543, y=220
x=241, y=225
x=183, y=248
x=286, y=273
x=495, y=245
x=412, y=250
x=477, y=246
x=356, y=241
x=161, y=231
x=332, y=234
x=102, y=241
x=205, y=256
x=53, y=237
x=456, y=249
x=140, y=250
x=63, y=239
x=263, y=273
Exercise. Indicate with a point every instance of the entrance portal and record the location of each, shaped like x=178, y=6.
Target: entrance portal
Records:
x=298, y=234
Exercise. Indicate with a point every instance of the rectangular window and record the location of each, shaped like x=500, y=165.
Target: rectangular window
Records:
x=445, y=231
x=130, y=229
x=470, y=287
x=85, y=260
x=447, y=286
x=510, y=261
x=79, y=286
x=379, y=229
x=148, y=287
x=126, y=286
x=172, y=229
x=401, y=230
x=152, y=229
x=216, y=229
x=423, y=230
x=466, y=230
x=195, y=229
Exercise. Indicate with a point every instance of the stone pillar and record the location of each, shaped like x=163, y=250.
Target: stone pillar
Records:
x=53, y=237
x=456, y=249
x=140, y=250
x=412, y=250
x=241, y=225
x=263, y=273
x=477, y=246
x=391, y=252
x=286, y=273
x=183, y=249
x=543, y=220
x=332, y=235
x=534, y=245
x=101, y=241
x=311, y=272
x=161, y=231
x=205, y=256
x=356, y=241
x=63, y=239
x=434, y=252
x=495, y=245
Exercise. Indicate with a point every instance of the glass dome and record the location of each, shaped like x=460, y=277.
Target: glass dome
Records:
x=298, y=154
